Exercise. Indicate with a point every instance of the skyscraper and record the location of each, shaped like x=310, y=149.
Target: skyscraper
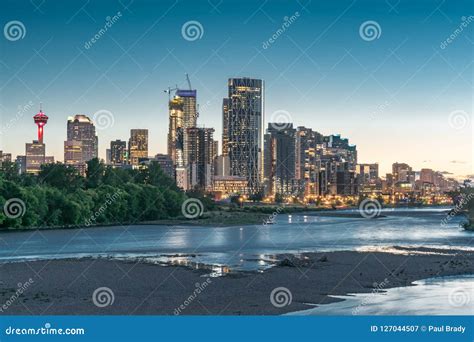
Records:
x=402, y=172
x=279, y=158
x=200, y=147
x=225, y=127
x=176, y=140
x=82, y=143
x=308, y=151
x=243, y=123
x=137, y=145
x=118, y=152
x=35, y=156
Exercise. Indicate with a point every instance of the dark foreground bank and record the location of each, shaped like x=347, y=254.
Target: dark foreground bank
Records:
x=67, y=287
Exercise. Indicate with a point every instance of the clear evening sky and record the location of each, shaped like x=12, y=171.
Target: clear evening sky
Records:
x=392, y=96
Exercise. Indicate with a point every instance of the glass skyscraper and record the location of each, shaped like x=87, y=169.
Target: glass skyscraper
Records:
x=243, y=114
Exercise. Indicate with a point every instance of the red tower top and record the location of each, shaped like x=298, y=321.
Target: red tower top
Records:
x=40, y=120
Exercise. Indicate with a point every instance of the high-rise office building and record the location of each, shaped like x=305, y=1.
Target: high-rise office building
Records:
x=338, y=166
x=200, y=147
x=176, y=140
x=5, y=158
x=165, y=163
x=368, y=180
x=137, y=145
x=367, y=173
x=82, y=143
x=20, y=161
x=35, y=156
x=225, y=127
x=306, y=141
x=118, y=152
x=279, y=159
x=427, y=176
x=243, y=124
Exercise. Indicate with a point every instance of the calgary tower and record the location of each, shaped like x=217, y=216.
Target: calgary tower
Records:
x=40, y=120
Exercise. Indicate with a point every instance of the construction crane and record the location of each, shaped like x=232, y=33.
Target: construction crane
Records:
x=189, y=82
x=169, y=90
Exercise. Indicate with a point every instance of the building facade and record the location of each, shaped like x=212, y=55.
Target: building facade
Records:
x=118, y=152
x=82, y=142
x=137, y=146
x=200, y=148
x=243, y=127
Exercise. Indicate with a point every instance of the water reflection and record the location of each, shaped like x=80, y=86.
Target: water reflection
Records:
x=434, y=296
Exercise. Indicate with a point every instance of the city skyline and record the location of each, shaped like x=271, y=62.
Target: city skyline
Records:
x=393, y=105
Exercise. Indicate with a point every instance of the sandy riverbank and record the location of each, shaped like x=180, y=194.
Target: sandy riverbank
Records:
x=66, y=286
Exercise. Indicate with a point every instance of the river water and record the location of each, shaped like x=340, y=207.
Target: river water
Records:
x=253, y=247
x=434, y=296
x=248, y=247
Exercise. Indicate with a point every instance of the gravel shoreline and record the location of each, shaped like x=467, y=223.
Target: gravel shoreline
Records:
x=66, y=287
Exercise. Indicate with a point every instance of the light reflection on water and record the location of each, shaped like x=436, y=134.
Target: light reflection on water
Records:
x=434, y=296
x=242, y=248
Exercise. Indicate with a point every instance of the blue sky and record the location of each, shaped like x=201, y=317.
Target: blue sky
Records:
x=392, y=96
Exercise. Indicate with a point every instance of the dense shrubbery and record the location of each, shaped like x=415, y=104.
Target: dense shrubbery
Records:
x=468, y=193
x=59, y=196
